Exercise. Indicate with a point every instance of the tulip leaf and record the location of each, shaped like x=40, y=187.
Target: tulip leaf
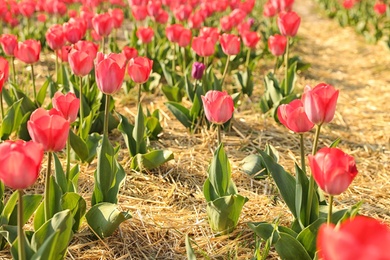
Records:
x=139, y=131
x=79, y=146
x=42, y=91
x=77, y=206
x=219, y=172
x=151, y=160
x=59, y=174
x=104, y=218
x=60, y=223
x=167, y=73
x=224, y=212
x=48, y=250
x=189, y=249
x=284, y=181
x=153, y=127
x=127, y=132
x=197, y=105
x=335, y=143
x=307, y=237
x=189, y=89
x=92, y=145
x=12, y=120
x=291, y=74
x=173, y=93
x=181, y=113
x=27, y=105
x=245, y=81
x=253, y=166
x=289, y=248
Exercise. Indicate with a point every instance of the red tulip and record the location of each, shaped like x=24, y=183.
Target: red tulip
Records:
x=226, y=23
x=129, y=52
x=20, y=163
x=195, y=20
x=28, y=51
x=139, y=69
x=139, y=12
x=162, y=17
x=48, y=128
x=286, y=5
x=117, y=16
x=218, y=106
x=277, y=44
x=269, y=10
x=360, y=238
x=75, y=30
x=348, y=4
x=103, y=24
x=55, y=37
x=288, y=23
x=320, y=103
x=8, y=43
x=42, y=18
x=211, y=32
x=4, y=71
x=294, y=117
x=173, y=32
x=87, y=46
x=203, y=46
x=63, y=53
x=110, y=71
x=27, y=8
x=230, y=44
x=80, y=62
x=333, y=170
x=68, y=105
x=250, y=39
x=380, y=8
x=154, y=8
x=182, y=12
x=145, y=34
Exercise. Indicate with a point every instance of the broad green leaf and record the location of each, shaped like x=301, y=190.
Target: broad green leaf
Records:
x=127, y=132
x=139, y=131
x=151, y=160
x=209, y=191
x=59, y=174
x=219, y=172
x=120, y=175
x=12, y=120
x=284, y=181
x=79, y=146
x=92, y=143
x=253, y=166
x=272, y=88
x=289, y=248
x=167, y=73
x=288, y=89
x=77, y=206
x=153, y=127
x=308, y=236
x=266, y=230
x=48, y=249
x=181, y=113
x=189, y=249
x=224, y=212
x=42, y=91
x=27, y=105
x=30, y=204
x=104, y=218
x=172, y=93
x=245, y=81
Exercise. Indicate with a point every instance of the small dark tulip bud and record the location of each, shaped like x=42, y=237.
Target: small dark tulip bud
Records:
x=197, y=70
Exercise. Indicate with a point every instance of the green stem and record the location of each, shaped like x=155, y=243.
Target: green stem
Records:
x=47, y=187
x=225, y=70
x=81, y=106
x=106, y=113
x=286, y=71
x=276, y=65
x=21, y=235
x=1, y=106
x=139, y=94
x=302, y=146
x=33, y=82
x=173, y=62
x=68, y=157
x=103, y=43
x=183, y=51
x=13, y=70
x=311, y=180
x=57, y=67
x=248, y=56
x=219, y=134
x=330, y=209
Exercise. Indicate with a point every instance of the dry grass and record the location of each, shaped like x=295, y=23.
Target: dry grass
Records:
x=168, y=203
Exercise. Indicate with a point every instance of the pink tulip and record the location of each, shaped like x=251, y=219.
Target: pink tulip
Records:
x=333, y=170
x=48, y=128
x=20, y=163
x=8, y=43
x=139, y=69
x=320, y=103
x=145, y=34
x=28, y=51
x=250, y=39
x=87, y=46
x=277, y=44
x=288, y=23
x=63, y=53
x=294, y=117
x=203, y=46
x=55, y=37
x=4, y=71
x=218, y=106
x=359, y=238
x=230, y=44
x=103, y=24
x=117, y=16
x=110, y=71
x=75, y=29
x=68, y=105
x=80, y=62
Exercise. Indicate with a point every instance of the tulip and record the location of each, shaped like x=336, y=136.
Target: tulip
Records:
x=129, y=52
x=277, y=44
x=162, y=17
x=28, y=51
x=195, y=20
x=226, y=23
x=55, y=37
x=173, y=32
x=63, y=53
x=230, y=44
x=182, y=12
x=380, y=8
x=250, y=39
x=117, y=16
x=269, y=9
x=320, y=103
x=288, y=23
x=358, y=238
x=103, y=24
x=145, y=34
x=294, y=117
x=212, y=32
x=139, y=69
x=4, y=71
x=139, y=12
x=203, y=46
x=74, y=30
x=110, y=71
x=333, y=170
x=8, y=43
x=348, y=4
x=153, y=8
x=48, y=128
x=80, y=62
x=68, y=105
x=197, y=70
x=218, y=106
x=20, y=163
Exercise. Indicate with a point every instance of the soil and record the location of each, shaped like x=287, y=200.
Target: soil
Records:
x=168, y=203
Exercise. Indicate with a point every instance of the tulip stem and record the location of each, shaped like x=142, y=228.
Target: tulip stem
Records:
x=219, y=134
x=21, y=235
x=33, y=82
x=139, y=93
x=81, y=106
x=57, y=68
x=106, y=113
x=103, y=44
x=302, y=144
x=248, y=56
x=286, y=71
x=183, y=50
x=173, y=62
x=311, y=180
x=13, y=70
x=225, y=70
x=1, y=106
x=276, y=65
x=47, y=187
x=68, y=158
x=330, y=209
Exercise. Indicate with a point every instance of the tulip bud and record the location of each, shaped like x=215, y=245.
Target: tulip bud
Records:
x=197, y=70
x=218, y=106
x=293, y=117
x=68, y=105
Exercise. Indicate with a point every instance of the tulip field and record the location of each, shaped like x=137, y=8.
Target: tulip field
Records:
x=174, y=129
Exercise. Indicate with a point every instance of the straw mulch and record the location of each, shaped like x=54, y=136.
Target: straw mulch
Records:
x=168, y=203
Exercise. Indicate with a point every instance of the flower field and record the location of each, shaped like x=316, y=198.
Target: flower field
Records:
x=185, y=147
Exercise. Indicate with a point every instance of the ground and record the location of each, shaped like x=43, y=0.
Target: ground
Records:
x=168, y=204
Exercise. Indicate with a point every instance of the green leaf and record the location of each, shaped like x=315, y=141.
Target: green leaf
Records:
x=151, y=160
x=104, y=218
x=335, y=143
x=167, y=73
x=181, y=113
x=127, y=132
x=61, y=223
x=189, y=249
x=48, y=250
x=59, y=174
x=224, y=212
x=245, y=81
x=92, y=143
x=253, y=166
x=267, y=230
x=79, y=146
x=219, y=171
x=284, y=181
x=172, y=93
x=308, y=236
x=139, y=131
x=42, y=91
x=287, y=90
x=12, y=120
x=289, y=248
x=77, y=206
